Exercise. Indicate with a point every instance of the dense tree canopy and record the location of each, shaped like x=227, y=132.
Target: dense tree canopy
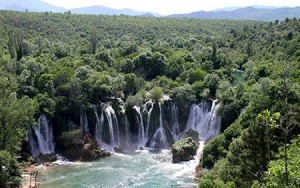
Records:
x=56, y=64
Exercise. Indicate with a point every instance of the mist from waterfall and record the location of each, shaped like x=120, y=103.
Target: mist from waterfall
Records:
x=40, y=138
x=204, y=120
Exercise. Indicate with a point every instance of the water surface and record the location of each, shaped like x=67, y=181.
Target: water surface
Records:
x=145, y=168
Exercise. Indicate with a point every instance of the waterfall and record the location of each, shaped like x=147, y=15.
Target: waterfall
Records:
x=98, y=126
x=33, y=145
x=113, y=124
x=159, y=138
x=84, y=123
x=141, y=129
x=148, y=121
x=204, y=120
x=175, y=123
x=214, y=122
x=41, y=138
x=127, y=131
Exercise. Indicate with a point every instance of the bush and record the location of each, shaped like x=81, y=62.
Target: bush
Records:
x=156, y=93
x=217, y=148
x=213, y=151
x=184, y=94
x=136, y=100
x=10, y=172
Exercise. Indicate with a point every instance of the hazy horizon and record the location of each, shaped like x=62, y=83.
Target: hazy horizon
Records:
x=166, y=7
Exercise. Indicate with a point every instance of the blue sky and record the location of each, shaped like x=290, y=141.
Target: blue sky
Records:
x=166, y=7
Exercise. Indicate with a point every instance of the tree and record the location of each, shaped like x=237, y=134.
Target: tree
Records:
x=276, y=176
x=9, y=170
x=289, y=36
x=15, y=116
x=19, y=45
x=11, y=44
x=150, y=65
x=249, y=49
x=249, y=154
x=196, y=75
x=156, y=93
x=214, y=53
x=94, y=41
x=286, y=122
x=211, y=81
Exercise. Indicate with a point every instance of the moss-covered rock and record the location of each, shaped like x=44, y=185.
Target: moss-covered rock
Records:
x=75, y=147
x=184, y=150
x=191, y=133
x=44, y=158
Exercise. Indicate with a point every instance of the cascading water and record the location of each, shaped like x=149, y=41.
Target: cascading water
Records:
x=127, y=131
x=159, y=139
x=141, y=129
x=41, y=140
x=98, y=126
x=204, y=120
x=148, y=120
x=114, y=132
x=214, y=122
x=175, y=123
x=84, y=123
x=147, y=168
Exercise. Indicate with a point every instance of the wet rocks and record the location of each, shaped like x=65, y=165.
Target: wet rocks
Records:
x=75, y=147
x=184, y=150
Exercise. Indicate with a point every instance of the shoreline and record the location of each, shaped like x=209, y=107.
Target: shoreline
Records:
x=29, y=177
x=31, y=173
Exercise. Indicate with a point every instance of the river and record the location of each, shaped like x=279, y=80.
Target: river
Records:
x=144, y=168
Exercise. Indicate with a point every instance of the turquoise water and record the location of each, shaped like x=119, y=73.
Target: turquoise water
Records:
x=142, y=169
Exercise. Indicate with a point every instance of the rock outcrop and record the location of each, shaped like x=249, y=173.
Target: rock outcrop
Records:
x=75, y=147
x=184, y=150
x=45, y=158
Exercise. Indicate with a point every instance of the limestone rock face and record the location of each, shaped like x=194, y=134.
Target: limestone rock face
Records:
x=184, y=150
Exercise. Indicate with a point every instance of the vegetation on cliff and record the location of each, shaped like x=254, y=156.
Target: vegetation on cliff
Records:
x=57, y=64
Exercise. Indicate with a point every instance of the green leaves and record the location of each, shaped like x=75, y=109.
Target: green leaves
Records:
x=275, y=176
x=267, y=119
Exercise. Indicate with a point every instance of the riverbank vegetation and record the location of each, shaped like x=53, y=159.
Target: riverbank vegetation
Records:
x=56, y=63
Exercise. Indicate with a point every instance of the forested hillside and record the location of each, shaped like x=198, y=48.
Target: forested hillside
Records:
x=54, y=64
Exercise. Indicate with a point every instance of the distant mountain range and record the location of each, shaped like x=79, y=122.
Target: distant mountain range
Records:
x=109, y=11
x=30, y=5
x=247, y=13
x=263, y=13
x=41, y=6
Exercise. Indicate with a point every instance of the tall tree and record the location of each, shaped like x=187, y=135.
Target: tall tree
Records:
x=15, y=115
x=19, y=45
x=250, y=154
x=11, y=44
x=94, y=41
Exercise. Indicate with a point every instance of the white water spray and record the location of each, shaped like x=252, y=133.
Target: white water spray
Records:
x=98, y=126
x=41, y=140
x=113, y=124
x=141, y=129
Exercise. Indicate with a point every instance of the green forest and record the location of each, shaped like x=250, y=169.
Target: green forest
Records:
x=54, y=63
